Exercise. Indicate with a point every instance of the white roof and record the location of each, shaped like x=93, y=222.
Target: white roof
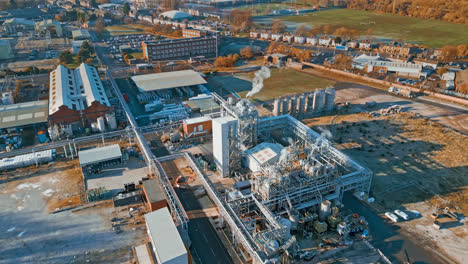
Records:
x=166, y=239
x=264, y=152
x=167, y=80
x=197, y=120
x=363, y=58
x=22, y=114
x=19, y=21
x=173, y=14
x=77, y=89
x=101, y=154
x=397, y=66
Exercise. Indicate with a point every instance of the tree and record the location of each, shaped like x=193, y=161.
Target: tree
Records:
x=127, y=20
x=462, y=51
x=83, y=55
x=126, y=9
x=100, y=27
x=93, y=3
x=441, y=71
x=301, y=30
x=66, y=57
x=343, y=61
x=337, y=40
x=449, y=52
x=278, y=26
x=246, y=52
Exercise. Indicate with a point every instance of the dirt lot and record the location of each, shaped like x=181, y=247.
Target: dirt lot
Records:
x=32, y=233
x=414, y=160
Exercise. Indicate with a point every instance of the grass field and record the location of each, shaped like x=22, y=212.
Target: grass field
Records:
x=124, y=30
x=283, y=82
x=432, y=33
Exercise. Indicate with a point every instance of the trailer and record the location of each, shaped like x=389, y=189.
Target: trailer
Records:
x=391, y=216
x=403, y=92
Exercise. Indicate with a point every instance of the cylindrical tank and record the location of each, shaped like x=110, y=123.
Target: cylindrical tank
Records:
x=294, y=218
x=325, y=210
x=284, y=109
x=94, y=127
x=271, y=247
x=301, y=105
x=293, y=106
x=341, y=228
x=310, y=102
x=100, y=124
x=329, y=99
x=7, y=98
x=276, y=107
x=319, y=101
x=287, y=226
x=111, y=121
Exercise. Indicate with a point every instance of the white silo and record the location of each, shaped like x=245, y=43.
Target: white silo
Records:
x=277, y=107
x=101, y=126
x=329, y=99
x=301, y=105
x=319, y=101
x=325, y=210
x=293, y=106
x=284, y=222
x=285, y=109
x=111, y=121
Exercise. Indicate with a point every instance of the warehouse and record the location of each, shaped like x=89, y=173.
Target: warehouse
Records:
x=23, y=114
x=400, y=68
x=50, y=25
x=77, y=97
x=165, y=239
x=92, y=160
x=81, y=34
x=197, y=126
x=202, y=105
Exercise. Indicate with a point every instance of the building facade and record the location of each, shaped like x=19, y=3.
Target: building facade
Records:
x=76, y=96
x=179, y=48
x=192, y=33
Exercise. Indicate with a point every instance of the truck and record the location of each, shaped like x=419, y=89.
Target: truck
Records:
x=403, y=92
x=402, y=214
x=339, y=47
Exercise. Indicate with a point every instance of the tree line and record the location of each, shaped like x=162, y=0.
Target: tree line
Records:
x=455, y=11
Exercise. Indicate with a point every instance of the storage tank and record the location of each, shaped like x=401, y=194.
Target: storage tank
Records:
x=329, y=99
x=287, y=226
x=294, y=219
x=101, y=125
x=111, y=121
x=309, y=102
x=277, y=107
x=301, y=105
x=284, y=109
x=319, y=101
x=94, y=127
x=271, y=247
x=7, y=98
x=293, y=106
x=325, y=210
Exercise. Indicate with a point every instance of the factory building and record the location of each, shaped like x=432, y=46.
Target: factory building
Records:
x=296, y=177
x=77, y=98
x=50, y=25
x=167, y=80
x=15, y=25
x=168, y=246
x=154, y=195
x=179, y=48
x=81, y=34
x=192, y=33
x=197, y=126
x=399, y=68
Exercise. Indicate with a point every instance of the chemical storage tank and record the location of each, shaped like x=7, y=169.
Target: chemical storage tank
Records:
x=7, y=98
x=271, y=248
x=301, y=105
x=111, y=121
x=293, y=108
x=94, y=127
x=276, y=107
x=287, y=226
x=329, y=99
x=309, y=102
x=101, y=126
x=284, y=109
x=319, y=101
x=325, y=210
x=294, y=219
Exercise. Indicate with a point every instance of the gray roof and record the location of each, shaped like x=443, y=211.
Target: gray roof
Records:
x=81, y=34
x=23, y=114
x=166, y=239
x=167, y=80
x=153, y=191
x=95, y=155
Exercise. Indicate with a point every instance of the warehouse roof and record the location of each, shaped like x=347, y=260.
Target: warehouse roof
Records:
x=95, y=155
x=166, y=240
x=81, y=34
x=153, y=191
x=176, y=15
x=197, y=120
x=167, y=80
x=23, y=114
x=205, y=106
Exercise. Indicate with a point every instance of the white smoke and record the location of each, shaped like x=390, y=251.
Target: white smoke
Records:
x=325, y=133
x=257, y=82
x=283, y=156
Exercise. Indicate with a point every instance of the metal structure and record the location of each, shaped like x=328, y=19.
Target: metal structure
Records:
x=310, y=172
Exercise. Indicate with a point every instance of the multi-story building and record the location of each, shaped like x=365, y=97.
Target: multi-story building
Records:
x=192, y=33
x=179, y=48
x=76, y=96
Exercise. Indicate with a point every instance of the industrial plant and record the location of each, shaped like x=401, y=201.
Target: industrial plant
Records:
x=296, y=179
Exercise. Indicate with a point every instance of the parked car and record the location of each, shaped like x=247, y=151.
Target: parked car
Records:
x=391, y=216
x=402, y=214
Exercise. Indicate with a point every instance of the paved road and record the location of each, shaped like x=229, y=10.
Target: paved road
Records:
x=391, y=239
x=206, y=246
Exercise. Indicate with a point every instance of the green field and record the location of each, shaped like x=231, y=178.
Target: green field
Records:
x=123, y=30
x=432, y=33
x=284, y=82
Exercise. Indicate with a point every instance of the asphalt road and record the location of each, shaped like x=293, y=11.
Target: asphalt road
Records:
x=397, y=245
x=206, y=246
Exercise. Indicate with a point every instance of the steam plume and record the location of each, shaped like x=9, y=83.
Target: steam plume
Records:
x=257, y=82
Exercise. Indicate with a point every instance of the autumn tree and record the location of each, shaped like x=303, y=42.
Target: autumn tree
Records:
x=449, y=52
x=441, y=71
x=278, y=26
x=100, y=27
x=301, y=30
x=66, y=57
x=246, y=53
x=343, y=61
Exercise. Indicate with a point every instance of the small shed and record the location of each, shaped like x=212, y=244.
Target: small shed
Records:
x=197, y=126
x=154, y=194
x=277, y=59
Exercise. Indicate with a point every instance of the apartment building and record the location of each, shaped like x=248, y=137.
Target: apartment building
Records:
x=179, y=48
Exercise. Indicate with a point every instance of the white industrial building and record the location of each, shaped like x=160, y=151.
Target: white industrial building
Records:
x=77, y=89
x=167, y=244
x=167, y=80
x=224, y=130
x=400, y=68
x=263, y=154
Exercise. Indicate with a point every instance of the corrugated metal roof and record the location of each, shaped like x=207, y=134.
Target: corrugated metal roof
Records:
x=22, y=114
x=153, y=191
x=143, y=254
x=196, y=120
x=208, y=105
x=164, y=235
x=167, y=80
x=102, y=154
